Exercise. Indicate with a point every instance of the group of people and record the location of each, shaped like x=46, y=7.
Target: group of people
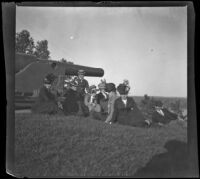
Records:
x=104, y=102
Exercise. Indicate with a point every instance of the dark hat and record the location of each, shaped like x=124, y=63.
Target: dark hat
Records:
x=92, y=88
x=110, y=87
x=81, y=72
x=122, y=89
x=158, y=104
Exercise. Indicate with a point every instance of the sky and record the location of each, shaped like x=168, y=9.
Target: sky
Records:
x=146, y=45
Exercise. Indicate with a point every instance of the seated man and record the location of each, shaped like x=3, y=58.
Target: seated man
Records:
x=162, y=115
x=46, y=102
x=126, y=111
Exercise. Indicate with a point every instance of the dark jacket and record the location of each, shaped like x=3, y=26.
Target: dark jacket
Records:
x=101, y=97
x=70, y=105
x=129, y=114
x=46, y=102
x=168, y=116
x=81, y=86
x=102, y=101
x=45, y=95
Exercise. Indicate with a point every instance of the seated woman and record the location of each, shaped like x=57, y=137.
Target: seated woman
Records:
x=46, y=102
x=162, y=115
x=126, y=111
x=112, y=96
x=70, y=104
x=94, y=108
x=90, y=100
x=102, y=98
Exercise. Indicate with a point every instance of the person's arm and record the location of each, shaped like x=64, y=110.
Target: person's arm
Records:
x=111, y=111
x=115, y=113
x=86, y=100
x=86, y=86
x=170, y=115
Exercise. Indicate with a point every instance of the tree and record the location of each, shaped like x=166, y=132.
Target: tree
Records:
x=41, y=50
x=24, y=42
x=63, y=60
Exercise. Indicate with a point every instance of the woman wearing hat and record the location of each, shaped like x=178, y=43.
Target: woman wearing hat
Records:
x=126, y=111
x=102, y=98
x=46, y=102
x=90, y=100
x=70, y=104
x=112, y=95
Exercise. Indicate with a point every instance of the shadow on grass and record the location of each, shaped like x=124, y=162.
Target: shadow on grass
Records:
x=173, y=163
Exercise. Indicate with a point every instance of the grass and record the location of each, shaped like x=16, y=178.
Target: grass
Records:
x=60, y=146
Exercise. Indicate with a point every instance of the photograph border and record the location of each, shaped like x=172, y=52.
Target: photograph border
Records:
x=8, y=23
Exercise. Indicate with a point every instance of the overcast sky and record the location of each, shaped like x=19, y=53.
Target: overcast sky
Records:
x=146, y=45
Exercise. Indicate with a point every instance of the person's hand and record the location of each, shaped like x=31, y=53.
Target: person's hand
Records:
x=108, y=122
x=74, y=88
x=148, y=122
x=60, y=105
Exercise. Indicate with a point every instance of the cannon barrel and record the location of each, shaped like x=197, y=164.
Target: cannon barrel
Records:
x=89, y=71
x=30, y=71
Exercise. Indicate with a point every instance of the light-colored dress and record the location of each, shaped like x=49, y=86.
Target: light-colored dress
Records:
x=91, y=104
x=112, y=97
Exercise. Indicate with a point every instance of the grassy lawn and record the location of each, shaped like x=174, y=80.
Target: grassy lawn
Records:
x=57, y=146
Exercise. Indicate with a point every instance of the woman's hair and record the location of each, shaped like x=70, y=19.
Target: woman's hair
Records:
x=110, y=87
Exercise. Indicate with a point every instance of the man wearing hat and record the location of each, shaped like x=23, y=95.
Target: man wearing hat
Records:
x=126, y=111
x=162, y=115
x=46, y=102
x=82, y=88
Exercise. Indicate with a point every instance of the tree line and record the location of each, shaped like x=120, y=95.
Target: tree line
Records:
x=24, y=43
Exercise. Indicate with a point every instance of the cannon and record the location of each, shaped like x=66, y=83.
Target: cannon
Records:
x=30, y=71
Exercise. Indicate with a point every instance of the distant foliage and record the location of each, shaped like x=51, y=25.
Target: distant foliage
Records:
x=41, y=50
x=176, y=107
x=63, y=60
x=24, y=42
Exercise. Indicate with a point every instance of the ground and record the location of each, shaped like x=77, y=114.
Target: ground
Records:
x=60, y=146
